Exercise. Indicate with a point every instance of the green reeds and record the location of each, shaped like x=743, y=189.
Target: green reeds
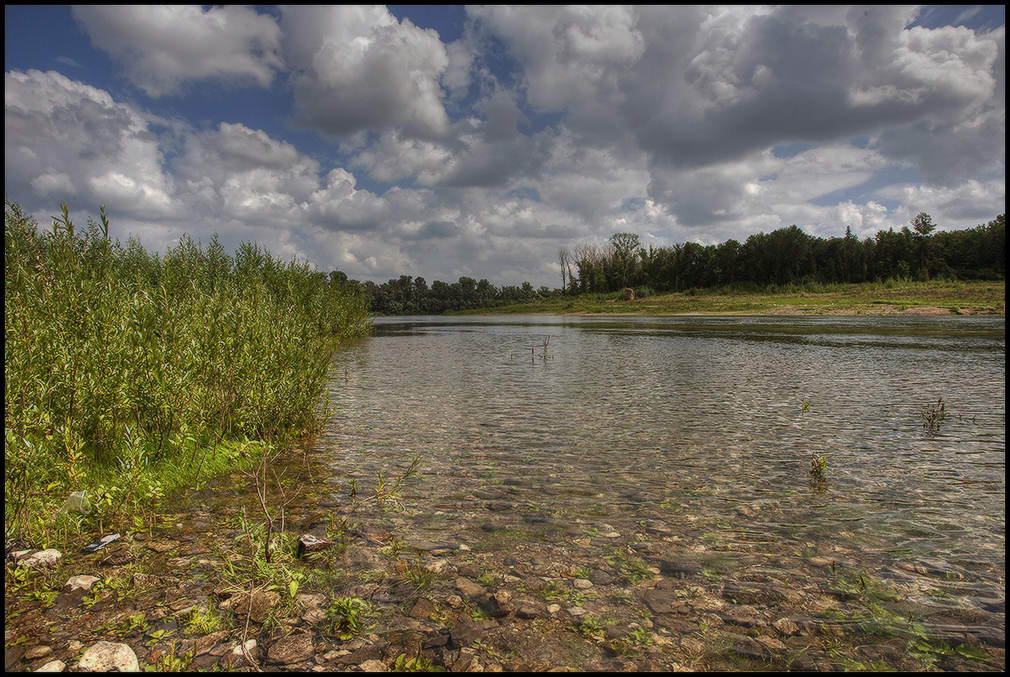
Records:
x=129, y=374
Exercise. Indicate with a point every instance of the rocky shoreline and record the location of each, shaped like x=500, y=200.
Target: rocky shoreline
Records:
x=501, y=594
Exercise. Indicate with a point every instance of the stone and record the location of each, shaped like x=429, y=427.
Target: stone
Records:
x=771, y=643
x=53, y=666
x=454, y=601
x=600, y=577
x=465, y=633
x=43, y=559
x=553, y=608
x=786, y=626
x=577, y=612
x=661, y=601
x=38, y=652
x=310, y=543
x=373, y=666
x=262, y=603
x=82, y=583
x=749, y=648
x=362, y=655
x=529, y=612
x=422, y=609
x=207, y=642
x=679, y=567
x=291, y=649
x=742, y=615
x=468, y=588
x=582, y=583
x=109, y=657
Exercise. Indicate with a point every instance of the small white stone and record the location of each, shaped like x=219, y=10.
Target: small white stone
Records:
x=43, y=558
x=53, y=666
x=82, y=582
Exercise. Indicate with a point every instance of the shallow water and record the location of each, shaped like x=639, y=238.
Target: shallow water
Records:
x=693, y=431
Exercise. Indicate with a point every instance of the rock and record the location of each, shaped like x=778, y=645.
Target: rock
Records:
x=362, y=655
x=496, y=605
x=262, y=603
x=38, y=652
x=373, y=666
x=468, y=588
x=661, y=601
x=436, y=566
x=291, y=649
x=109, y=657
x=786, y=626
x=314, y=615
x=163, y=546
x=771, y=643
x=553, y=608
x=42, y=559
x=582, y=583
x=454, y=601
x=250, y=647
x=465, y=633
x=491, y=527
x=80, y=583
x=207, y=642
x=748, y=647
x=679, y=567
x=53, y=666
x=577, y=612
x=600, y=577
x=499, y=506
x=310, y=543
x=529, y=611
x=422, y=610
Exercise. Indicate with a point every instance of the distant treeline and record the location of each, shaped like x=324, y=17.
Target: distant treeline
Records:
x=781, y=257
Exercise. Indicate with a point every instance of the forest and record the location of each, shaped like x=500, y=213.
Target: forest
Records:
x=784, y=256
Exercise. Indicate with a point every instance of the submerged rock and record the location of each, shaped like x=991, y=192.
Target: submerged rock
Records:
x=109, y=657
x=292, y=649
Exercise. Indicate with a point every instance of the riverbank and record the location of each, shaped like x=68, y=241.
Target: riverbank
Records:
x=886, y=298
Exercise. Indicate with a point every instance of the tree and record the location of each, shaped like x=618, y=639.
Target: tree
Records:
x=562, y=254
x=923, y=226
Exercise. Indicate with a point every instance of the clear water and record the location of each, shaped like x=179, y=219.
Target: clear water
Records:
x=692, y=431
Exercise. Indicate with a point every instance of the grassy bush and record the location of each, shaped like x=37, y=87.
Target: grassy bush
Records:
x=129, y=374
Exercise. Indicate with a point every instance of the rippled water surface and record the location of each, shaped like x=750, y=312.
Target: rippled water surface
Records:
x=693, y=430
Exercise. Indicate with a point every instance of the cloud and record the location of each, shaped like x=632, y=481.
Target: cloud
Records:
x=538, y=127
x=359, y=68
x=164, y=47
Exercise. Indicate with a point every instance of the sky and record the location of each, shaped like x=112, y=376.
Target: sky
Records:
x=450, y=141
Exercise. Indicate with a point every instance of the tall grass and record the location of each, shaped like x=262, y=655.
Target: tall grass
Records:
x=129, y=374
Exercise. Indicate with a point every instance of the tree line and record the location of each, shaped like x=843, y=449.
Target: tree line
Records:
x=782, y=257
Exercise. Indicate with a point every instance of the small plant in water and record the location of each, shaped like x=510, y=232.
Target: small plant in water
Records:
x=933, y=415
x=804, y=406
x=818, y=471
x=345, y=616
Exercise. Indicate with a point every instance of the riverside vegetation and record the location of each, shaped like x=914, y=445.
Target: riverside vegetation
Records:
x=129, y=375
